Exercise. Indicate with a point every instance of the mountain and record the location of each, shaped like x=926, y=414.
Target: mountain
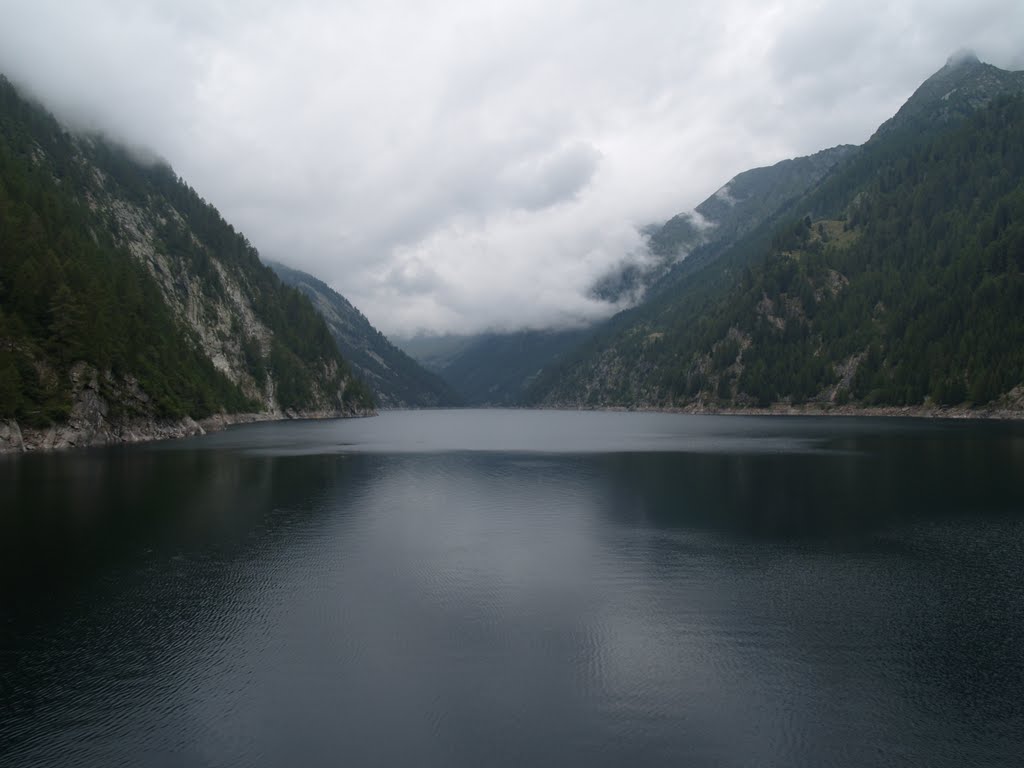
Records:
x=396, y=379
x=501, y=368
x=958, y=90
x=689, y=239
x=129, y=308
x=494, y=368
x=894, y=281
x=747, y=200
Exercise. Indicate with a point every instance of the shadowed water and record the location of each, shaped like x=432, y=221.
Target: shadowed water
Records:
x=519, y=588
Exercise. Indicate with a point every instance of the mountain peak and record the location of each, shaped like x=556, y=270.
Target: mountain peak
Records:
x=964, y=85
x=962, y=58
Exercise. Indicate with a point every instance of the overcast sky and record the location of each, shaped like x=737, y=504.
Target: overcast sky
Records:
x=457, y=166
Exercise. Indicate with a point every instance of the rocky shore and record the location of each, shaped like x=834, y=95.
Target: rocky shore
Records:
x=92, y=421
x=1009, y=407
x=818, y=409
x=88, y=426
x=84, y=434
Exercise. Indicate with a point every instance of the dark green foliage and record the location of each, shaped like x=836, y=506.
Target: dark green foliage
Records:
x=293, y=389
x=935, y=289
x=747, y=201
x=905, y=262
x=358, y=394
x=725, y=353
x=69, y=292
x=10, y=386
x=254, y=359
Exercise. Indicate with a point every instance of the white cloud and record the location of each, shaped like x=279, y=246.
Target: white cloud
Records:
x=460, y=165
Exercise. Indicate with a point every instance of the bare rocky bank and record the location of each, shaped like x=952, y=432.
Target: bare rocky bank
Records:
x=1009, y=407
x=92, y=421
x=89, y=425
x=817, y=409
x=86, y=433
x=89, y=432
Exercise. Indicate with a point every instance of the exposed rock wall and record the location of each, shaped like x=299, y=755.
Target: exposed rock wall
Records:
x=220, y=323
x=94, y=421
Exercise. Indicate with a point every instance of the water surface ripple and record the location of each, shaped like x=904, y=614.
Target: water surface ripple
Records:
x=519, y=588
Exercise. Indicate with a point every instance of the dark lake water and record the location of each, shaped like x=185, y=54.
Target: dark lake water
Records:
x=498, y=588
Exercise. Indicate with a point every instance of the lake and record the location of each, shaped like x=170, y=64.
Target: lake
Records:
x=499, y=588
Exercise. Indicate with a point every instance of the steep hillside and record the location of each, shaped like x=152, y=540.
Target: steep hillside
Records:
x=129, y=308
x=958, y=90
x=396, y=379
x=691, y=239
x=500, y=369
x=750, y=198
x=896, y=280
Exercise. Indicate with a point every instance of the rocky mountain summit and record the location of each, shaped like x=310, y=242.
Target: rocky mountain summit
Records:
x=961, y=88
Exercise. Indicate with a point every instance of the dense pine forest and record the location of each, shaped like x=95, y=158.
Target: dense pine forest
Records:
x=72, y=291
x=895, y=281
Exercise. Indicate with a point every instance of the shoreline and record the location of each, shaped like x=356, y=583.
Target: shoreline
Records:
x=95, y=433
x=811, y=409
x=15, y=439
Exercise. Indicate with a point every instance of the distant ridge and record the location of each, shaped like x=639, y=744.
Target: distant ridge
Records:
x=494, y=369
x=396, y=379
x=738, y=206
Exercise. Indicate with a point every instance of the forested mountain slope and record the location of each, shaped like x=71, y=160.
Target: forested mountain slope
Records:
x=129, y=307
x=501, y=368
x=692, y=238
x=396, y=379
x=895, y=281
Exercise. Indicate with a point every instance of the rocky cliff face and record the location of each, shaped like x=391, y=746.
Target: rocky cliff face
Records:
x=129, y=309
x=221, y=320
x=98, y=418
x=93, y=420
x=220, y=307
